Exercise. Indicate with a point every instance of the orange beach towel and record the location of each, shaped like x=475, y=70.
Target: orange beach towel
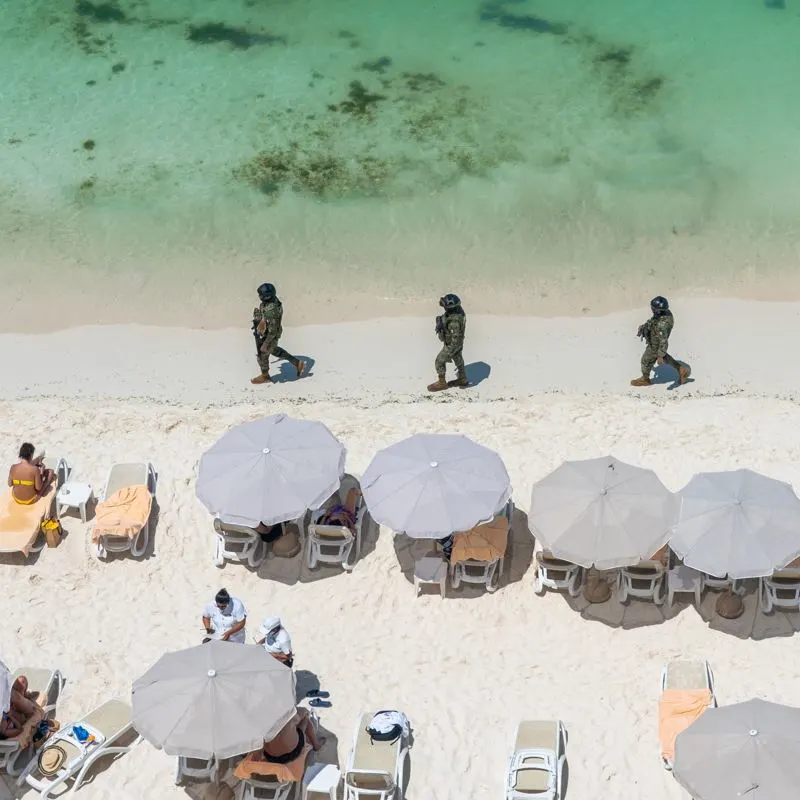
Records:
x=255, y=764
x=677, y=710
x=19, y=524
x=125, y=513
x=483, y=543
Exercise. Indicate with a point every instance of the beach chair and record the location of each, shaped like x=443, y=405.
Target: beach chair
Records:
x=198, y=769
x=21, y=525
x=47, y=684
x=537, y=763
x=265, y=787
x=375, y=770
x=237, y=543
x=555, y=573
x=780, y=590
x=108, y=723
x=122, y=516
x=336, y=544
x=687, y=690
x=486, y=573
x=644, y=580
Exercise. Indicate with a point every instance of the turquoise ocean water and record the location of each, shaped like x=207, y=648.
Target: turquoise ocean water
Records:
x=157, y=157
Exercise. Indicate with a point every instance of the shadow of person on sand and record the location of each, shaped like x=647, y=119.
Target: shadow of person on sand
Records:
x=666, y=374
x=477, y=372
x=287, y=372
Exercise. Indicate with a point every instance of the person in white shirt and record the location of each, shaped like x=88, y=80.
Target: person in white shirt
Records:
x=225, y=618
x=276, y=641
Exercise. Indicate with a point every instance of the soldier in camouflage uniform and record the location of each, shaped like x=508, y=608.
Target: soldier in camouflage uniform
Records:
x=267, y=328
x=450, y=328
x=656, y=333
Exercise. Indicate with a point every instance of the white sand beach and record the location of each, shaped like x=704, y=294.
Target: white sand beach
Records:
x=465, y=669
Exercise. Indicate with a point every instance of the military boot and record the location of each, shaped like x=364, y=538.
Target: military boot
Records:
x=300, y=366
x=643, y=381
x=440, y=384
x=683, y=374
x=261, y=379
x=461, y=379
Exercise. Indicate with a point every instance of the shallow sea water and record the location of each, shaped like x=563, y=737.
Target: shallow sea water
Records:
x=539, y=150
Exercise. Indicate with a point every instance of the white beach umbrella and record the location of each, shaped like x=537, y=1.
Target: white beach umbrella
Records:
x=270, y=470
x=738, y=523
x=434, y=484
x=602, y=513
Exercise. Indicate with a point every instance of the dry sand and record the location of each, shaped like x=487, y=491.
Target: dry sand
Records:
x=465, y=669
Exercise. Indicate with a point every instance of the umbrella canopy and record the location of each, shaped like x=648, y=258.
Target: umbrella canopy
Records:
x=602, y=512
x=6, y=682
x=218, y=699
x=740, y=524
x=433, y=484
x=270, y=470
x=749, y=750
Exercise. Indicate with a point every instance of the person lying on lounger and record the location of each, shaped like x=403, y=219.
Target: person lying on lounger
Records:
x=289, y=743
x=23, y=709
x=28, y=478
x=342, y=515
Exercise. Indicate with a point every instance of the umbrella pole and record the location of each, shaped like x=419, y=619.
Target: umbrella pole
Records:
x=597, y=588
x=730, y=604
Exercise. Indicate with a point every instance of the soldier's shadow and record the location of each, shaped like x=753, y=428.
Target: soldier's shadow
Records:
x=477, y=372
x=289, y=373
x=666, y=374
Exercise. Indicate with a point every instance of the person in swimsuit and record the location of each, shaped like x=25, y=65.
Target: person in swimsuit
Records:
x=28, y=479
x=23, y=708
x=343, y=515
x=291, y=741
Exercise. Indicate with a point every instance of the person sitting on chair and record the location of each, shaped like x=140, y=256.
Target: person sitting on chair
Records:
x=23, y=709
x=28, y=478
x=342, y=515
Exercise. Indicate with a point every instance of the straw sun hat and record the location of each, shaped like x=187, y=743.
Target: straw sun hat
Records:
x=51, y=759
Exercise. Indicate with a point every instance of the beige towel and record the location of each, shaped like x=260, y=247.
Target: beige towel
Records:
x=19, y=524
x=677, y=710
x=482, y=543
x=125, y=513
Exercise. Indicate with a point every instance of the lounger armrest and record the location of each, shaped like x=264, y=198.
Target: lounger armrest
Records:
x=152, y=478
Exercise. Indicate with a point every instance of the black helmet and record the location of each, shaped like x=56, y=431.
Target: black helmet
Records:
x=658, y=305
x=449, y=301
x=266, y=292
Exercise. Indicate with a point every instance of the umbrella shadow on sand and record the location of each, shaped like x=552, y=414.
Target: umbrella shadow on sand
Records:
x=518, y=558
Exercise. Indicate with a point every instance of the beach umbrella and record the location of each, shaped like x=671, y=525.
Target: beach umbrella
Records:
x=433, y=484
x=748, y=750
x=218, y=699
x=601, y=513
x=6, y=682
x=270, y=470
x=739, y=523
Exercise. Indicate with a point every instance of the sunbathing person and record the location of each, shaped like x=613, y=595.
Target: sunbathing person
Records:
x=28, y=478
x=23, y=710
x=342, y=515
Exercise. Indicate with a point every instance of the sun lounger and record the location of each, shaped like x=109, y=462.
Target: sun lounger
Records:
x=644, y=580
x=687, y=690
x=108, y=723
x=781, y=589
x=122, y=517
x=537, y=763
x=374, y=769
x=478, y=555
x=336, y=544
x=556, y=574
x=237, y=543
x=21, y=525
x=198, y=769
x=47, y=685
x=264, y=787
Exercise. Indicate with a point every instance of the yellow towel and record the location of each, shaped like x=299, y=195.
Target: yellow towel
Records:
x=255, y=764
x=19, y=524
x=125, y=513
x=482, y=543
x=677, y=710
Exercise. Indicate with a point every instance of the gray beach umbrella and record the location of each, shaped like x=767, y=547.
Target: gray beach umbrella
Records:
x=747, y=750
x=602, y=513
x=218, y=699
x=270, y=470
x=738, y=523
x=434, y=484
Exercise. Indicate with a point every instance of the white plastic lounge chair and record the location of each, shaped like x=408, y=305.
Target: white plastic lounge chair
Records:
x=687, y=676
x=645, y=581
x=536, y=766
x=108, y=723
x=374, y=770
x=21, y=525
x=123, y=476
x=197, y=768
x=237, y=543
x=780, y=590
x=556, y=574
x=47, y=684
x=486, y=573
x=264, y=787
x=336, y=544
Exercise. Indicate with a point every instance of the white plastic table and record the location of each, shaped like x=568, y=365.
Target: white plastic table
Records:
x=684, y=579
x=74, y=495
x=320, y=782
x=431, y=569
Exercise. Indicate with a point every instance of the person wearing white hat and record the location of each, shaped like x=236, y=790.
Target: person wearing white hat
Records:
x=275, y=640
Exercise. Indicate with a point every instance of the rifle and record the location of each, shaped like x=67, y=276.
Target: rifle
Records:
x=256, y=335
x=644, y=331
x=440, y=327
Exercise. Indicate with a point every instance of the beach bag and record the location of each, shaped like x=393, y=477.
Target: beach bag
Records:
x=52, y=530
x=388, y=726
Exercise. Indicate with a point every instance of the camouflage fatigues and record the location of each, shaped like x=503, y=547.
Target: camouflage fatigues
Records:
x=454, y=326
x=656, y=333
x=272, y=315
